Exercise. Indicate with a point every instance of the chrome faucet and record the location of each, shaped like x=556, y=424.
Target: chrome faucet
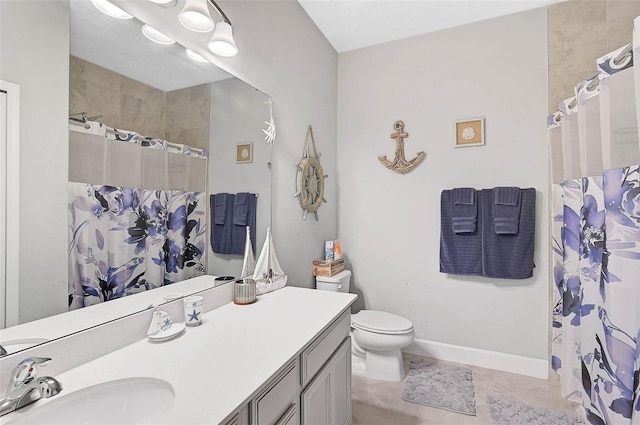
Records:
x=26, y=387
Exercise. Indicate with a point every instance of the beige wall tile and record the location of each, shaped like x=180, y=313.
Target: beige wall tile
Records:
x=199, y=113
x=620, y=15
x=178, y=97
x=132, y=114
x=103, y=101
x=180, y=116
x=203, y=91
x=580, y=32
x=135, y=88
x=199, y=138
x=77, y=96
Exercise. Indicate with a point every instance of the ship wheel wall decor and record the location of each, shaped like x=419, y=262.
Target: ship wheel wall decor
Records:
x=310, y=179
x=400, y=164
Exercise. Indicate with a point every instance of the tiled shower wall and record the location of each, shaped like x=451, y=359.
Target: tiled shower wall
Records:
x=581, y=31
x=180, y=116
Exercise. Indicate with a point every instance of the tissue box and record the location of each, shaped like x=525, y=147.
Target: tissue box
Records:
x=322, y=267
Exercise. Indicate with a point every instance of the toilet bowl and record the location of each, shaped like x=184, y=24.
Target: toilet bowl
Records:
x=377, y=337
x=377, y=340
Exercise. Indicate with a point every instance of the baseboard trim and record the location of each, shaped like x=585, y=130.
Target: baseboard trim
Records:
x=528, y=366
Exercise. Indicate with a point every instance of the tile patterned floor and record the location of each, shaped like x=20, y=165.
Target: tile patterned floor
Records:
x=379, y=403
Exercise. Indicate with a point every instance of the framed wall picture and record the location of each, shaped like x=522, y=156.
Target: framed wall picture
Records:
x=244, y=152
x=469, y=132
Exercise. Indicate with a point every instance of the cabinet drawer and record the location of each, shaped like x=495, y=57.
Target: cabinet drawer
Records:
x=291, y=417
x=322, y=347
x=278, y=397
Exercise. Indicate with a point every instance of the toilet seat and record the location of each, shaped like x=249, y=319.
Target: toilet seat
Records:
x=381, y=322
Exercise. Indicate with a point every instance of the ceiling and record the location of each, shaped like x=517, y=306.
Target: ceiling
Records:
x=353, y=24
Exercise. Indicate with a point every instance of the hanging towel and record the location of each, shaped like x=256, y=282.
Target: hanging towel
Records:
x=509, y=256
x=464, y=210
x=460, y=253
x=506, y=210
x=221, y=205
x=241, y=209
x=244, y=214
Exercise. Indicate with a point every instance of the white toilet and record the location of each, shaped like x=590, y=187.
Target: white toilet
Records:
x=377, y=337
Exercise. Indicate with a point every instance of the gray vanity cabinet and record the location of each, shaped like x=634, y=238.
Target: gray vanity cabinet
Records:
x=313, y=388
x=327, y=399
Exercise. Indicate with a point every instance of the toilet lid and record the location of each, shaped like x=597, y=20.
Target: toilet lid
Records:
x=381, y=322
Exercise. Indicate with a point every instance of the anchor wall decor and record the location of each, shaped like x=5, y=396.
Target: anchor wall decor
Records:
x=400, y=164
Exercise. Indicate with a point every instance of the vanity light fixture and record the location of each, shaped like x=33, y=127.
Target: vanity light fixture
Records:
x=108, y=8
x=156, y=36
x=195, y=56
x=195, y=16
x=222, y=41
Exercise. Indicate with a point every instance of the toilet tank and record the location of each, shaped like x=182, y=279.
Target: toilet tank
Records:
x=336, y=283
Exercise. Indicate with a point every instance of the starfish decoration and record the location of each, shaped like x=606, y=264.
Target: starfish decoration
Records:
x=270, y=131
x=194, y=316
x=166, y=324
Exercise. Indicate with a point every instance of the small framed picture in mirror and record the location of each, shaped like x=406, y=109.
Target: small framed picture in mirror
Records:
x=244, y=152
x=469, y=132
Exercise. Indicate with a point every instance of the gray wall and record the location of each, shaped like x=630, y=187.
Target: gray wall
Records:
x=283, y=54
x=389, y=223
x=35, y=37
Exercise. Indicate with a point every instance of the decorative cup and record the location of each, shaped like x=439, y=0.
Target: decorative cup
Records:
x=172, y=296
x=193, y=310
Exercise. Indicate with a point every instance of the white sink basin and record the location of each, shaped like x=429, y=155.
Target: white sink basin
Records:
x=124, y=401
x=15, y=345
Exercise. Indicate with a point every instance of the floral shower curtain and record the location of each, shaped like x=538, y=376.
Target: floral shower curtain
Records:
x=595, y=156
x=127, y=238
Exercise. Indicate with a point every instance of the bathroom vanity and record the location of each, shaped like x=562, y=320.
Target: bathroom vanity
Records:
x=285, y=359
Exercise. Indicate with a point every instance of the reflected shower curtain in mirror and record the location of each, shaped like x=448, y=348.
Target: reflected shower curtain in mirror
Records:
x=595, y=155
x=136, y=213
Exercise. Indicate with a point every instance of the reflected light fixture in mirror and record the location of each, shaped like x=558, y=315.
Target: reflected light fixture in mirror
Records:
x=195, y=16
x=196, y=57
x=110, y=9
x=156, y=36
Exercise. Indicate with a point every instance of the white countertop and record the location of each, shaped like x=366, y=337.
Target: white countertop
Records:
x=218, y=366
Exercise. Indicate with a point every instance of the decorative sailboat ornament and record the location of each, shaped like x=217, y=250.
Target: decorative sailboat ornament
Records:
x=270, y=131
x=400, y=164
x=249, y=264
x=268, y=275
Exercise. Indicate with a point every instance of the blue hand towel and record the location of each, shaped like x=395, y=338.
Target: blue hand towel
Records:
x=506, y=210
x=247, y=217
x=221, y=229
x=240, y=209
x=464, y=210
x=509, y=256
x=220, y=208
x=460, y=253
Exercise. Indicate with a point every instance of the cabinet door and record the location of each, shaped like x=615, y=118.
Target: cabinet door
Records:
x=327, y=399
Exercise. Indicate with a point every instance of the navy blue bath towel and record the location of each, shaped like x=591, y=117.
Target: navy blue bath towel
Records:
x=221, y=207
x=464, y=210
x=460, y=253
x=244, y=214
x=509, y=256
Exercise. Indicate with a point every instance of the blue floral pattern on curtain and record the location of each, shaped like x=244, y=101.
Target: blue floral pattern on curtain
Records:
x=596, y=317
x=125, y=240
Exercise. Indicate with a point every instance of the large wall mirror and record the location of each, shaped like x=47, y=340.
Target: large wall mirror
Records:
x=122, y=83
